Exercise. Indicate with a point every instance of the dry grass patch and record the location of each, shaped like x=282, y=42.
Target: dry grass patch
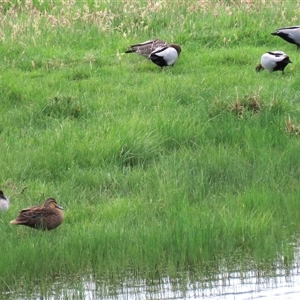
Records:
x=291, y=128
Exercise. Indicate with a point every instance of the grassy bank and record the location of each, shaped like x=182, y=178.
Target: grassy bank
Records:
x=155, y=169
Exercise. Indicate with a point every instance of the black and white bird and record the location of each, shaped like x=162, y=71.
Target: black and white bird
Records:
x=147, y=47
x=165, y=56
x=274, y=61
x=4, y=202
x=289, y=34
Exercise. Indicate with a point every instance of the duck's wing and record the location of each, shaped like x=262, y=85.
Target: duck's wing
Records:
x=277, y=56
x=154, y=43
x=150, y=42
x=160, y=51
x=33, y=216
x=277, y=53
x=145, y=48
x=36, y=212
x=288, y=28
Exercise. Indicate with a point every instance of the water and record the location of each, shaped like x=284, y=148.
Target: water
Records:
x=279, y=282
x=285, y=284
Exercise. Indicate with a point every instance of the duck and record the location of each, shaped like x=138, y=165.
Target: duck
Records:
x=44, y=217
x=165, y=56
x=274, y=61
x=289, y=34
x=4, y=202
x=145, y=48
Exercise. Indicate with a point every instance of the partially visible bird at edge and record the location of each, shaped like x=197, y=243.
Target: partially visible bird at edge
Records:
x=289, y=34
x=4, y=202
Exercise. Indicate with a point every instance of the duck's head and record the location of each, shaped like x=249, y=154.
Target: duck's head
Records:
x=51, y=202
x=176, y=47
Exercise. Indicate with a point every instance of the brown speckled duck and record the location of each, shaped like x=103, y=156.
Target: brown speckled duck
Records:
x=4, y=202
x=147, y=47
x=45, y=217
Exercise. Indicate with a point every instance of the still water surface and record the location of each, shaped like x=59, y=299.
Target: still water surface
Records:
x=280, y=283
x=236, y=286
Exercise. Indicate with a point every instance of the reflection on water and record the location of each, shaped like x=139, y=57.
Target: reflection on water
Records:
x=229, y=286
x=279, y=283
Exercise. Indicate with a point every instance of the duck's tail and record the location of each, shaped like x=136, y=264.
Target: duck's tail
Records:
x=259, y=68
x=17, y=222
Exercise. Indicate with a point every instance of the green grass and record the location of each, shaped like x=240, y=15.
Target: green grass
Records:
x=157, y=170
